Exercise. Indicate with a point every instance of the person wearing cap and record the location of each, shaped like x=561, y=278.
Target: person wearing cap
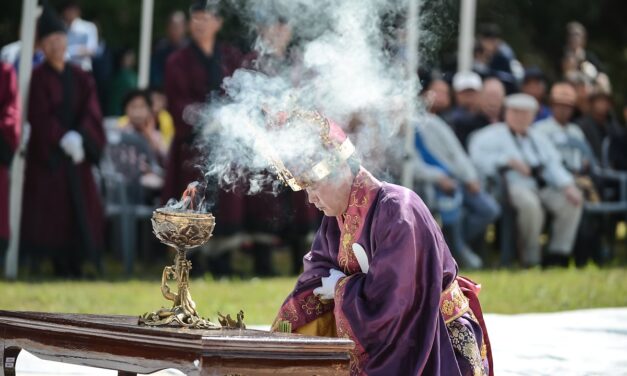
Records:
x=534, y=84
x=490, y=111
x=379, y=271
x=193, y=75
x=466, y=87
x=62, y=214
x=534, y=176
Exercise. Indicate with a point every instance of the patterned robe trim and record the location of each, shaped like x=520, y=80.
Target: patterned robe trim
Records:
x=465, y=343
x=302, y=309
x=358, y=355
x=363, y=193
x=453, y=302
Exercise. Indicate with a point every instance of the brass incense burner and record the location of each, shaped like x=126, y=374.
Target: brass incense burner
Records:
x=181, y=230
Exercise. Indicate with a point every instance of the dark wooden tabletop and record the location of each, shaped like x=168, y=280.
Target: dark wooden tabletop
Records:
x=119, y=343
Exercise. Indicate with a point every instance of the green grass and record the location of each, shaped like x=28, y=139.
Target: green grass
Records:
x=503, y=292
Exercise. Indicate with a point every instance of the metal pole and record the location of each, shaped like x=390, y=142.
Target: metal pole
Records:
x=467, y=16
x=407, y=178
x=27, y=36
x=144, y=43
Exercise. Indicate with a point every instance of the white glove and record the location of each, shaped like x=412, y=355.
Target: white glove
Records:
x=72, y=145
x=327, y=290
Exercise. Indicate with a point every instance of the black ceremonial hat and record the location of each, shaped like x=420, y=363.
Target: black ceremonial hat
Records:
x=49, y=22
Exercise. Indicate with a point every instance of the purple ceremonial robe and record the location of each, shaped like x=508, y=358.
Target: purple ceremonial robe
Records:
x=392, y=312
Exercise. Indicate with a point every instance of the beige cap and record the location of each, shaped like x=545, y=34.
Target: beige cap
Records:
x=521, y=102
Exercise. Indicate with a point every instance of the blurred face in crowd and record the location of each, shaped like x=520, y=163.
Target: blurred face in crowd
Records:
x=204, y=26
x=277, y=36
x=600, y=106
x=331, y=194
x=468, y=99
x=438, y=96
x=70, y=14
x=519, y=120
x=563, y=100
x=159, y=101
x=177, y=27
x=535, y=87
x=138, y=112
x=492, y=97
x=54, y=47
x=489, y=45
x=576, y=38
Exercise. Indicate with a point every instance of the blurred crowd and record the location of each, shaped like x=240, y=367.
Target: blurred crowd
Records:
x=498, y=150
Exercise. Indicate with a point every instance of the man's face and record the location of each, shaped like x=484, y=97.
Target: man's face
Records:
x=492, y=97
x=331, y=195
x=562, y=112
x=600, y=106
x=137, y=111
x=176, y=28
x=468, y=99
x=277, y=35
x=440, y=96
x=519, y=120
x=70, y=14
x=204, y=25
x=489, y=45
x=54, y=47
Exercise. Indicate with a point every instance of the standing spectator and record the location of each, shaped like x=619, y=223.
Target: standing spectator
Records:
x=66, y=141
x=124, y=81
x=103, y=66
x=490, y=111
x=448, y=167
x=175, y=38
x=600, y=123
x=9, y=139
x=500, y=58
x=192, y=74
x=82, y=35
x=534, y=177
x=534, y=84
x=576, y=54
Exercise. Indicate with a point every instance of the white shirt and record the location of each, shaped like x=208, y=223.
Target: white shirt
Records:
x=82, y=35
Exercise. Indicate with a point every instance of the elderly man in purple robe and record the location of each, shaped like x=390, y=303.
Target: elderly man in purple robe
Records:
x=379, y=271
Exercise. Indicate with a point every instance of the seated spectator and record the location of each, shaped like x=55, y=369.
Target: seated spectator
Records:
x=490, y=111
x=618, y=145
x=465, y=209
x=466, y=86
x=600, y=123
x=139, y=155
x=571, y=143
x=82, y=35
x=534, y=177
x=163, y=119
x=534, y=84
x=437, y=96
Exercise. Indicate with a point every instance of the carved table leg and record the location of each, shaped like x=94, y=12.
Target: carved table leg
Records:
x=9, y=360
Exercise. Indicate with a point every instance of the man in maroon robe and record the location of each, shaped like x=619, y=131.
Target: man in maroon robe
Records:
x=379, y=271
x=62, y=214
x=192, y=75
x=9, y=139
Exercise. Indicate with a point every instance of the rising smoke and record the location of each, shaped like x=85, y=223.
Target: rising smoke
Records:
x=345, y=61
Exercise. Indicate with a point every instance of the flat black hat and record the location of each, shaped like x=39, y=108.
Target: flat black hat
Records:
x=49, y=22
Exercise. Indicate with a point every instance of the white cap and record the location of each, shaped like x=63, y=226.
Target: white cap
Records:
x=521, y=102
x=467, y=81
